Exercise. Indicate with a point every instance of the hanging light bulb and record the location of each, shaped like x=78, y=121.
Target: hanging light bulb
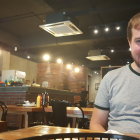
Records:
x=96, y=31
x=112, y=50
x=46, y=57
x=28, y=57
x=69, y=66
x=76, y=70
x=118, y=28
x=106, y=29
x=15, y=48
x=59, y=61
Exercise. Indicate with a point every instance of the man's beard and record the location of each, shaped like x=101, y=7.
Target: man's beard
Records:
x=136, y=60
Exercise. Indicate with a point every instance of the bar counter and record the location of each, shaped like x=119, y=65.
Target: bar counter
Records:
x=18, y=94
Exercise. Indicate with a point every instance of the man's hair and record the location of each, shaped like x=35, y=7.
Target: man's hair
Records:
x=134, y=22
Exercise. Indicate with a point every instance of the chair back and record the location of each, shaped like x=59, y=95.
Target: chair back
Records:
x=82, y=136
x=3, y=122
x=4, y=110
x=82, y=122
x=59, y=113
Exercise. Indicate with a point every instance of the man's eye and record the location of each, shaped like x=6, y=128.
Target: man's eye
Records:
x=137, y=41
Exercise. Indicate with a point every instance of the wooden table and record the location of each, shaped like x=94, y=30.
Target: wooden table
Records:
x=14, y=109
x=37, y=131
x=43, y=130
x=73, y=112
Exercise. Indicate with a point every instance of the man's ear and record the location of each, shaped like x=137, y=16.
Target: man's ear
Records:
x=129, y=44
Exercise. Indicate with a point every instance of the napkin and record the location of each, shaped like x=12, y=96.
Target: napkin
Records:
x=113, y=132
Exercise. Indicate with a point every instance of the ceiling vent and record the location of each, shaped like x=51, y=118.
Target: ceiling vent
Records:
x=95, y=55
x=60, y=25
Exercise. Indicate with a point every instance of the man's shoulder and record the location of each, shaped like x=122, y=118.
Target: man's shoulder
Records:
x=119, y=69
x=117, y=72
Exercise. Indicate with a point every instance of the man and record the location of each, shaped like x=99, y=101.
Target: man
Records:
x=84, y=97
x=117, y=104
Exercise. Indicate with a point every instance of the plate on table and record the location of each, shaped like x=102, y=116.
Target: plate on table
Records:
x=28, y=105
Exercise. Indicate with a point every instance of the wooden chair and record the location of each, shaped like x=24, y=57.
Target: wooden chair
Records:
x=3, y=126
x=82, y=122
x=82, y=136
x=3, y=110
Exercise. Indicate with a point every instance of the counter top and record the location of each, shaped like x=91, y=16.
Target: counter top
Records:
x=35, y=89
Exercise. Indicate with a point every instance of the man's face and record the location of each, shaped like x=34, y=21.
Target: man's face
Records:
x=135, y=46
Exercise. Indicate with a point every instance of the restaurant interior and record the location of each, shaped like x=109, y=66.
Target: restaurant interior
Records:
x=58, y=50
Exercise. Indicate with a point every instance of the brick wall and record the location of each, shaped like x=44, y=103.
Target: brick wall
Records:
x=11, y=98
x=59, y=77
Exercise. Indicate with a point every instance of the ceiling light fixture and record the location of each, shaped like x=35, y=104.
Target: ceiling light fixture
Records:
x=76, y=70
x=106, y=29
x=15, y=48
x=112, y=50
x=60, y=24
x=59, y=61
x=95, y=55
x=96, y=31
x=28, y=57
x=118, y=28
x=95, y=72
x=69, y=66
x=46, y=57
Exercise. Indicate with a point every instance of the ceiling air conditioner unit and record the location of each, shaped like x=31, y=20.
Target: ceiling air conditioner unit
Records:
x=95, y=55
x=60, y=25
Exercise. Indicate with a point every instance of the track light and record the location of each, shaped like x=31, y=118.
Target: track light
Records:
x=28, y=57
x=118, y=28
x=106, y=29
x=96, y=31
x=46, y=57
x=59, y=61
x=15, y=48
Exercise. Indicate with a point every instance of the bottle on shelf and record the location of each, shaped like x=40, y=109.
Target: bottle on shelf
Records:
x=43, y=99
x=38, y=100
x=47, y=98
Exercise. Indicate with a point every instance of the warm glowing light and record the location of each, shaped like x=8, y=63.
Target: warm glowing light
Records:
x=96, y=72
x=46, y=57
x=130, y=49
x=106, y=29
x=77, y=70
x=28, y=57
x=118, y=28
x=15, y=48
x=59, y=61
x=96, y=31
x=69, y=66
x=112, y=51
